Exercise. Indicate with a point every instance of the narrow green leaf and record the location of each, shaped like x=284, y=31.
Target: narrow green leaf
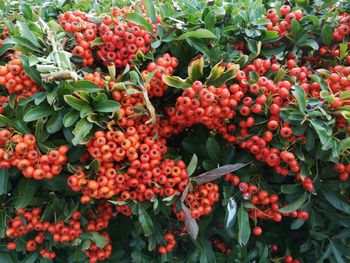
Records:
x=145, y=221
x=85, y=85
x=214, y=149
x=107, y=106
x=140, y=20
x=26, y=33
x=74, y=102
x=299, y=95
x=81, y=130
x=294, y=205
x=199, y=33
x=243, y=226
x=55, y=122
x=38, y=113
x=326, y=34
x=4, y=177
x=150, y=11
x=70, y=118
x=26, y=191
x=337, y=201
x=192, y=166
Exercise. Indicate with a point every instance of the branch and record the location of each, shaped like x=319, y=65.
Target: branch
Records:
x=59, y=75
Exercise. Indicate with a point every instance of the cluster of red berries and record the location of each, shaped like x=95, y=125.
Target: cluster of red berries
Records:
x=343, y=171
x=218, y=244
x=60, y=231
x=343, y=29
x=16, y=81
x=166, y=64
x=171, y=242
x=96, y=78
x=338, y=81
x=120, y=40
x=21, y=152
x=265, y=205
x=201, y=200
x=283, y=27
x=84, y=33
x=290, y=259
x=131, y=105
x=45, y=253
x=94, y=253
x=142, y=154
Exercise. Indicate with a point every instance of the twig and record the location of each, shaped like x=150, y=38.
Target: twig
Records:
x=60, y=75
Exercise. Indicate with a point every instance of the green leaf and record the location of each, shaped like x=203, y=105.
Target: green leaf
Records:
x=81, y=130
x=74, y=102
x=176, y=82
x=4, y=177
x=295, y=27
x=337, y=201
x=299, y=95
x=213, y=149
x=150, y=11
x=310, y=43
x=107, y=106
x=140, y=20
x=337, y=254
x=210, y=20
x=195, y=68
x=145, y=221
x=94, y=165
x=26, y=191
x=5, y=47
x=326, y=34
x=343, y=48
x=85, y=85
x=199, y=33
x=269, y=36
x=26, y=33
x=70, y=118
x=25, y=43
x=31, y=70
x=294, y=205
x=38, y=113
x=243, y=226
x=100, y=240
x=97, y=42
x=55, y=123
x=192, y=166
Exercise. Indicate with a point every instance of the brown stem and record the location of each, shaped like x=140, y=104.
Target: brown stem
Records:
x=60, y=75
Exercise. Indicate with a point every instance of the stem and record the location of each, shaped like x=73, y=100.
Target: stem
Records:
x=60, y=75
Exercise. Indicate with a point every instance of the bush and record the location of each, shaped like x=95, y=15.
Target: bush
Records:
x=175, y=131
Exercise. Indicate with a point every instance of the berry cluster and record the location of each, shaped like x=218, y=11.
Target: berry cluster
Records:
x=166, y=64
x=16, y=81
x=27, y=222
x=201, y=200
x=94, y=253
x=60, y=231
x=96, y=78
x=343, y=171
x=21, y=152
x=283, y=27
x=84, y=33
x=136, y=149
x=265, y=205
x=343, y=29
x=171, y=242
x=120, y=40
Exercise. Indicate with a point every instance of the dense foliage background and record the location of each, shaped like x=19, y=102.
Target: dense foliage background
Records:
x=268, y=150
